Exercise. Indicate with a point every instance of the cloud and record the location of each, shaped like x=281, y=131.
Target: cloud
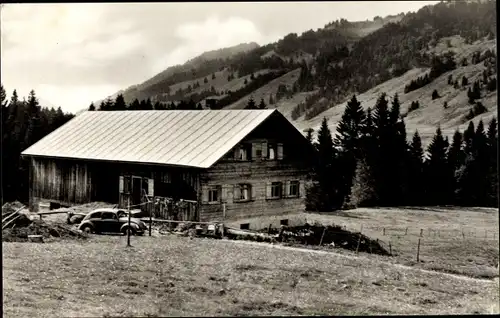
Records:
x=72, y=53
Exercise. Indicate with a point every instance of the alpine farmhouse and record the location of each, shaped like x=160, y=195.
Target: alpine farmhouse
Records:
x=227, y=163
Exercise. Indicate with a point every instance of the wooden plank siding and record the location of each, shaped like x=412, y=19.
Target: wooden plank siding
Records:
x=259, y=174
x=60, y=181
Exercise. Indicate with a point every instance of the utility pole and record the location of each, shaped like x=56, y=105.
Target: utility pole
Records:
x=128, y=229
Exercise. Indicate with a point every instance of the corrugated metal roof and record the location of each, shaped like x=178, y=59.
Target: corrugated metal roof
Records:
x=197, y=138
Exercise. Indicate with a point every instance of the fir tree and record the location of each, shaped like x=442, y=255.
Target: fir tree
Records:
x=309, y=135
x=415, y=171
x=455, y=159
x=91, y=107
x=322, y=196
x=348, y=139
x=119, y=103
x=435, y=171
x=262, y=105
x=492, y=135
x=251, y=104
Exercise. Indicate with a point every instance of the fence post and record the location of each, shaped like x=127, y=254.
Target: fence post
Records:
x=322, y=235
x=463, y=234
x=384, y=231
x=418, y=251
x=269, y=230
x=359, y=242
x=421, y=232
x=390, y=248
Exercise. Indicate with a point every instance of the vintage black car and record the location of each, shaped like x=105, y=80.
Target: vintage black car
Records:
x=108, y=220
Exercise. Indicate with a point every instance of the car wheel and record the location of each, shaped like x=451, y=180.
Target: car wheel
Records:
x=132, y=231
x=87, y=229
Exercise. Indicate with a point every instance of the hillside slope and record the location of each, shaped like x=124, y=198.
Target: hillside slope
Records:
x=311, y=76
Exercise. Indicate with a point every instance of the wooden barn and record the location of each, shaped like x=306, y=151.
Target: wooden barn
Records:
x=216, y=164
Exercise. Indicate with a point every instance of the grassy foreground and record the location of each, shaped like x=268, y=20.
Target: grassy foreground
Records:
x=463, y=241
x=176, y=276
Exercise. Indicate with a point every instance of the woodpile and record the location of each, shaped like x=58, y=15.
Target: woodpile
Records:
x=18, y=225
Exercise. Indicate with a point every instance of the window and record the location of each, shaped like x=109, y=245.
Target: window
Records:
x=127, y=184
x=293, y=190
x=284, y=222
x=166, y=178
x=276, y=189
x=108, y=216
x=95, y=215
x=243, y=152
x=213, y=195
x=271, y=152
x=242, y=192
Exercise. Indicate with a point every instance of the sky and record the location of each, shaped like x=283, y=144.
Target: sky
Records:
x=73, y=54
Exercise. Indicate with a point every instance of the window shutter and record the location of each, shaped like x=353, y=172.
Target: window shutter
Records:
x=268, y=190
x=255, y=146
x=120, y=186
x=287, y=189
x=252, y=192
x=264, y=150
x=237, y=153
x=223, y=195
x=280, y=151
x=283, y=189
x=302, y=189
x=151, y=187
x=204, y=195
x=236, y=192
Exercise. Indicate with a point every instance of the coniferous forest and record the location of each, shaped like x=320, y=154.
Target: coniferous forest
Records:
x=369, y=162
x=24, y=122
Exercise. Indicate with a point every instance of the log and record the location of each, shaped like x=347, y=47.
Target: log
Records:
x=4, y=226
x=35, y=238
x=248, y=233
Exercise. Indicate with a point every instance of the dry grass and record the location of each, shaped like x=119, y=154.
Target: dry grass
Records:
x=175, y=276
x=455, y=240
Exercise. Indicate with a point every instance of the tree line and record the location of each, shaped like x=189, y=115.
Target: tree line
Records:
x=24, y=122
x=369, y=162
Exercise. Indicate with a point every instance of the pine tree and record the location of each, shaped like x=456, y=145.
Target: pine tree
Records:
x=309, y=135
x=119, y=103
x=213, y=76
x=205, y=80
x=262, y=105
x=33, y=132
x=416, y=185
x=135, y=105
x=455, y=159
x=251, y=104
x=435, y=171
x=91, y=107
x=199, y=107
x=348, y=140
x=322, y=196
x=492, y=135
x=468, y=138
x=363, y=192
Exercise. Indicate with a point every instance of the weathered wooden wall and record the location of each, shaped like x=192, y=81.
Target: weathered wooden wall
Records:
x=71, y=181
x=258, y=175
x=60, y=181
